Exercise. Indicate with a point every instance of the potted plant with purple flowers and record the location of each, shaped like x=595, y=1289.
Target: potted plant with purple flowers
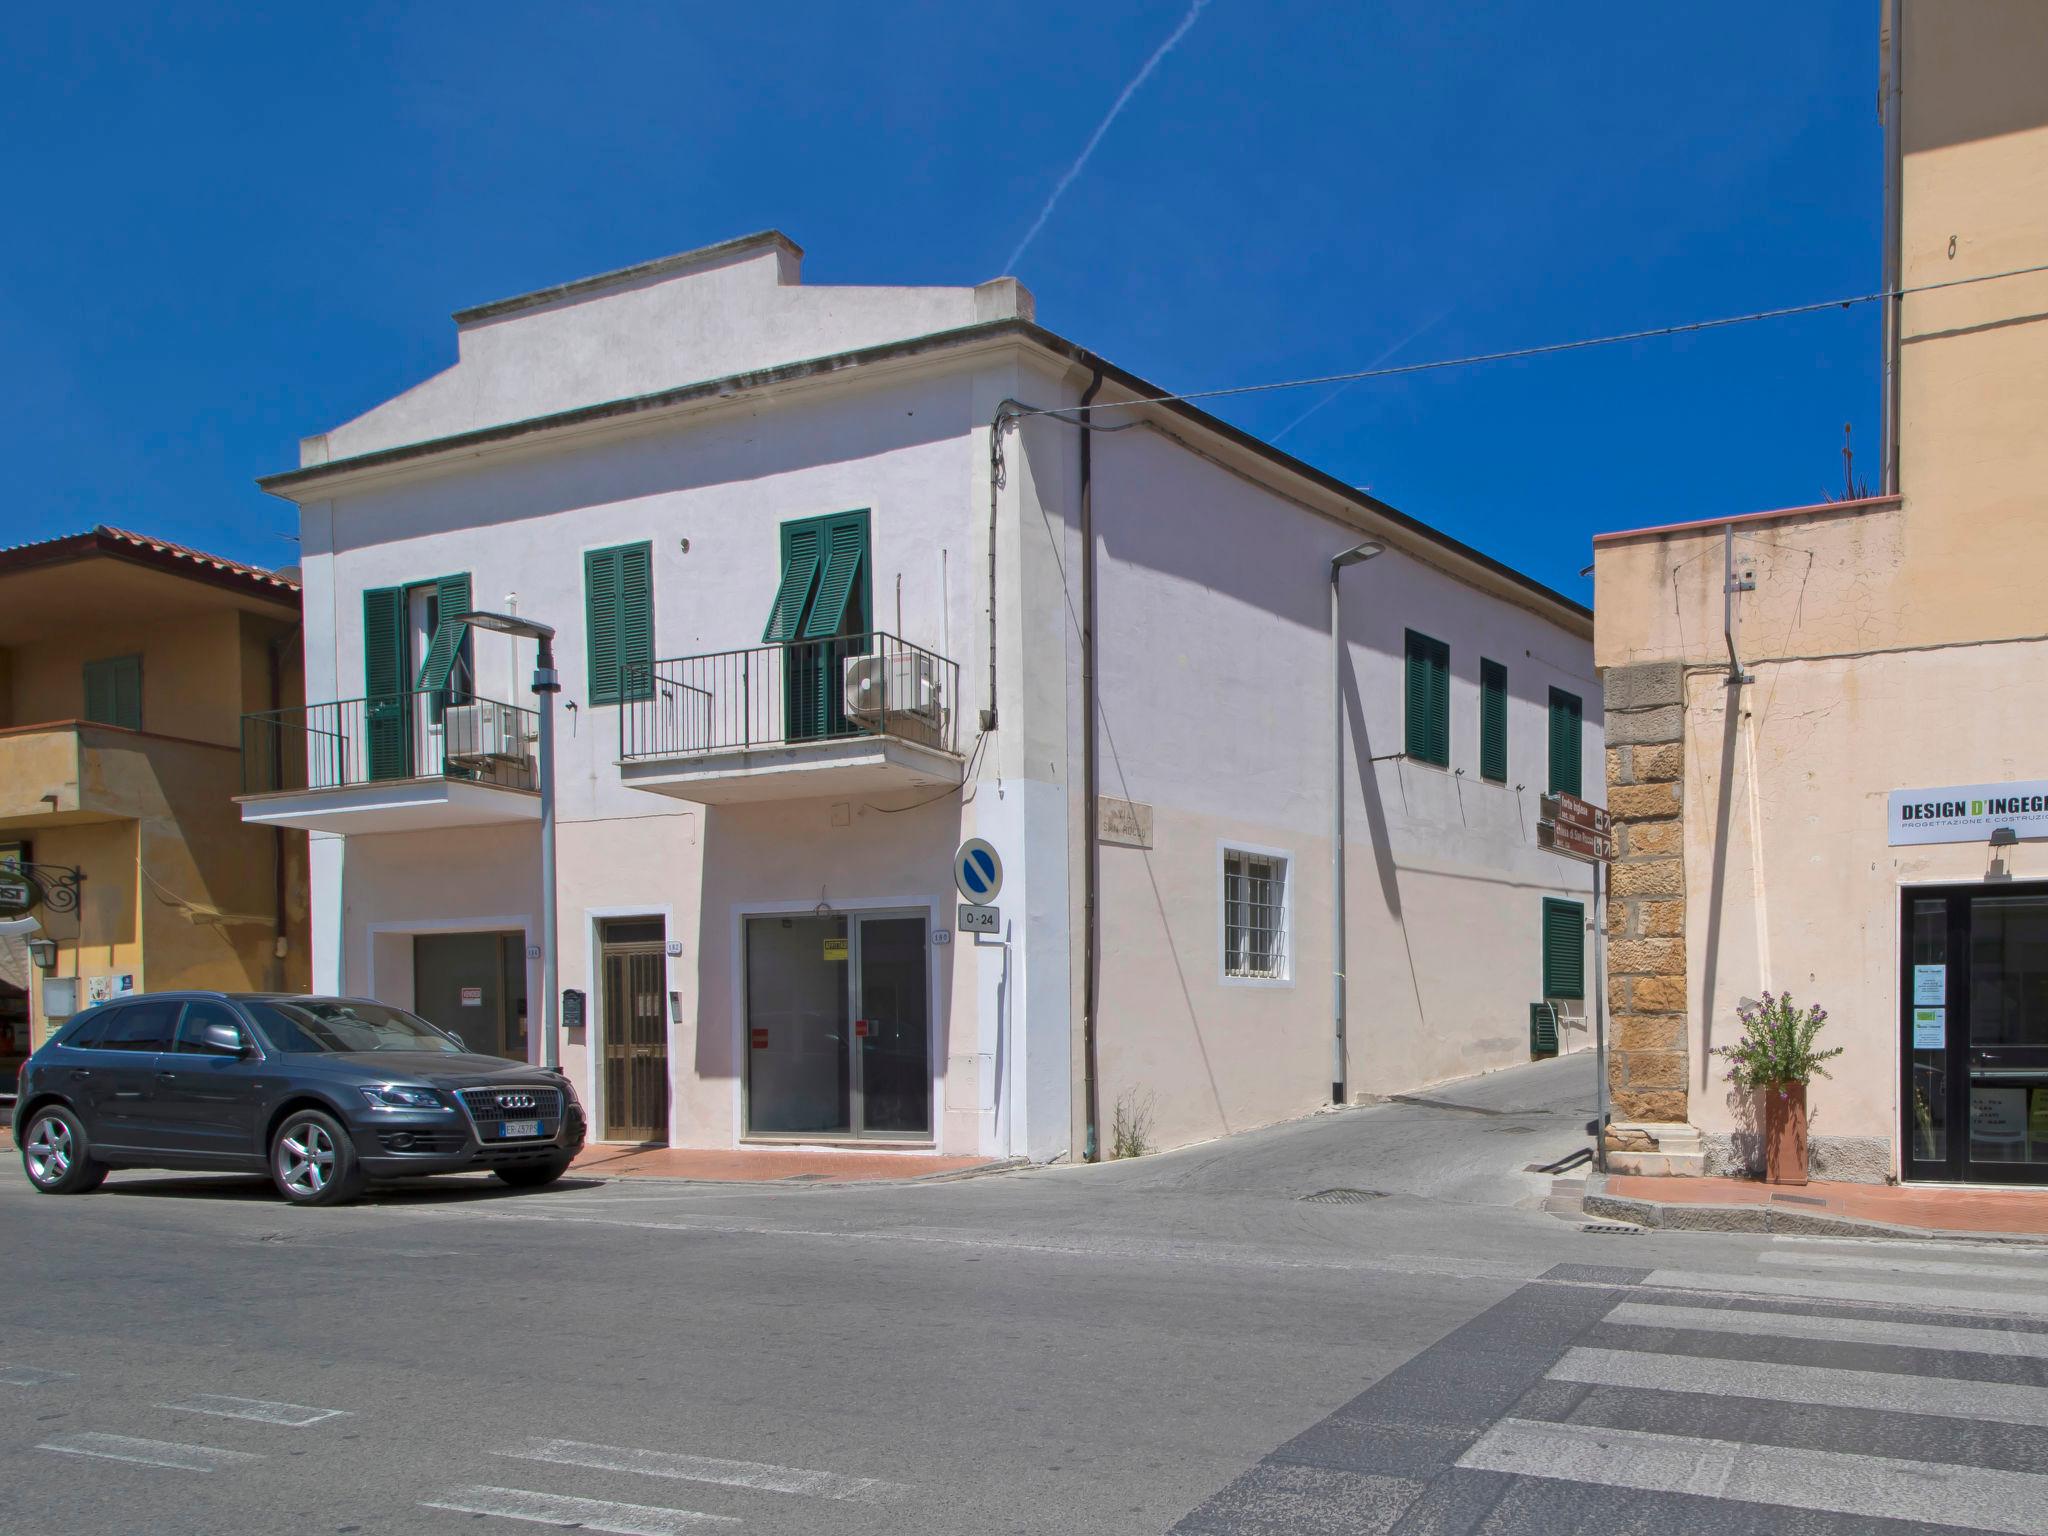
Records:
x=1776, y=1058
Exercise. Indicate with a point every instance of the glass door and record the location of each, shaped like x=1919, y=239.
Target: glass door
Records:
x=1975, y=994
x=838, y=1027
x=892, y=1033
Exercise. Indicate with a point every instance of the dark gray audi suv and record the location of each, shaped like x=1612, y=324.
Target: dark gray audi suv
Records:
x=326, y=1094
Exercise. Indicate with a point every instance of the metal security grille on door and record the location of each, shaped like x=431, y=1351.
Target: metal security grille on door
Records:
x=1254, y=915
x=635, y=1042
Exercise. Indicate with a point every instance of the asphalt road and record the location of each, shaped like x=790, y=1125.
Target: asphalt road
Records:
x=1180, y=1343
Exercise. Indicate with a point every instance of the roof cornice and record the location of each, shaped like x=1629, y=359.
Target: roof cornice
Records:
x=1364, y=509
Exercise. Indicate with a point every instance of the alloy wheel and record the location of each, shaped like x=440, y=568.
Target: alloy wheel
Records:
x=50, y=1150
x=305, y=1159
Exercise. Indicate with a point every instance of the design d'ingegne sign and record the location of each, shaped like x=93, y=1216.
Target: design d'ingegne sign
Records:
x=1968, y=813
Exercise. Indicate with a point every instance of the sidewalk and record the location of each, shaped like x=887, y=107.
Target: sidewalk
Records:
x=776, y=1165
x=1842, y=1210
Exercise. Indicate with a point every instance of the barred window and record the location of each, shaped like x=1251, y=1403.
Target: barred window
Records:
x=1254, y=915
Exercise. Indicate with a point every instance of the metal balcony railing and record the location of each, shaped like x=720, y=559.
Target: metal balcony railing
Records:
x=780, y=695
x=419, y=734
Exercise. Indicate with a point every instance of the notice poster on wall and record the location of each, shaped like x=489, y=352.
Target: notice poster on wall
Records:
x=1930, y=1029
x=472, y=997
x=1930, y=984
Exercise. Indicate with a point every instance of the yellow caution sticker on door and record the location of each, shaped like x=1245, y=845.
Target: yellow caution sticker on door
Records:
x=835, y=949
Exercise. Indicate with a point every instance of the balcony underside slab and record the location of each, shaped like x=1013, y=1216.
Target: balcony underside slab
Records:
x=862, y=765
x=393, y=805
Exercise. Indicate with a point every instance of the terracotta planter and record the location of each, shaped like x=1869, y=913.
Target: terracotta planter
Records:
x=1785, y=1134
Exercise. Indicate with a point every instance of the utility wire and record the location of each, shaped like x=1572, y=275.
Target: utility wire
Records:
x=1541, y=351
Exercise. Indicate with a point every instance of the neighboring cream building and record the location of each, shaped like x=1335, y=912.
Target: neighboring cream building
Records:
x=813, y=633
x=126, y=665
x=1830, y=776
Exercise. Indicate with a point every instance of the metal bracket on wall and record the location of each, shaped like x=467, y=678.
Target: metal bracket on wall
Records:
x=1731, y=584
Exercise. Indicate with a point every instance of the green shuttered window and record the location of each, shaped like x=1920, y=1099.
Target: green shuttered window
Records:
x=451, y=597
x=618, y=600
x=1566, y=755
x=1564, y=948
x=1493, y=721
x=1429, y=700
x=113, y=691
x=387, y=708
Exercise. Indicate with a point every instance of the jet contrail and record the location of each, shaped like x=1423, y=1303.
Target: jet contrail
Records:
x=1383, y=357
x=1179, y=32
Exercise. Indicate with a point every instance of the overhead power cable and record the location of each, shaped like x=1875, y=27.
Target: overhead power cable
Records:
x=1539, y=351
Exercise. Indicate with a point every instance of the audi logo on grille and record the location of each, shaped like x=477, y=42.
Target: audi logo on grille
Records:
x=517, y=1101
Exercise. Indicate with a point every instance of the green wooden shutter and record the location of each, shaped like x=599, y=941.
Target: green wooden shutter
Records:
x=802, y=544
x=113, y=691
x=1566, y=755
x=846, y=546
x=1493, y=721
x=1428, y=735
x=451, y=596
x=618, y=599
x=387, y=706
x=1564, y=948
x=636, y=621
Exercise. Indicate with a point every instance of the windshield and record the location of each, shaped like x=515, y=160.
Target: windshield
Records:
x=316, y=1025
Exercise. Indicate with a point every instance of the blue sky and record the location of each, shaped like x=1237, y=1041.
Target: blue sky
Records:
x=229, y=227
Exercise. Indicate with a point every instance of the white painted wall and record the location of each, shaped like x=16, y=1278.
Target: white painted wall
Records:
x=1215, y=711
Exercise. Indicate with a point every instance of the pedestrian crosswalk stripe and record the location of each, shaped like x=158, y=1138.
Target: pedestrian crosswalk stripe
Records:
x=284, y=1415
x=1876, y=1264
x=1833, y=1329
x=583, y=1514
x=1875, y=1487
x=1823, y=1386
x=148, y=1453
x=1942, y=1298
x=704, y=1469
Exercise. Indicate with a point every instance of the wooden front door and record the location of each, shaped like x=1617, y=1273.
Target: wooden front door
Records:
x=635, y=1002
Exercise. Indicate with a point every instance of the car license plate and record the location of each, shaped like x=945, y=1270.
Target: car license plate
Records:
x=519, y=1128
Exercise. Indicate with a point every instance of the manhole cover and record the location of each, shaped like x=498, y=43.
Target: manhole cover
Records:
x=1343, y=1196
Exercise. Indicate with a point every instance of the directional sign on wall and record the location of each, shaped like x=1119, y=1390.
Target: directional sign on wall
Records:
x=978, y=871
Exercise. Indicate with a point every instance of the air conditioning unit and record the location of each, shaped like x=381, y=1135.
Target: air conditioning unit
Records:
x=480, y=733
x=881, y=686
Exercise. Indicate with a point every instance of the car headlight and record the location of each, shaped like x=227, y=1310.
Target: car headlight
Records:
x=398, y=1096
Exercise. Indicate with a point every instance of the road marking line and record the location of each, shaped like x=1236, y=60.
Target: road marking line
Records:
x=148, y=1453
x=30, y=1376
x=705, y=1469
x=286, y=1415
x=1875, y=1487
x=1847, y=1330
x=1779, y=1287
x=584, y=1514
x=1877, y=1265
x=1817, y=1385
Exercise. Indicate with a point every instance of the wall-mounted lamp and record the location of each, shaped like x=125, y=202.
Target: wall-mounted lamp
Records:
x=44, y=953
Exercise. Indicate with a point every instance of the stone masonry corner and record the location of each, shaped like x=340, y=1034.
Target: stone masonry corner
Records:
x=1646, y=991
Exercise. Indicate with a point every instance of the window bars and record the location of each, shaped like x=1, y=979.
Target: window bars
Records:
x=1254, y=916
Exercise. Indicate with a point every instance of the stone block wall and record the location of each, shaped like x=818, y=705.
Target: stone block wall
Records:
x=1646, y=991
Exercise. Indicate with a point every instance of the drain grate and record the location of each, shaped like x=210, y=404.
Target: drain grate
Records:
x=1343, y=1196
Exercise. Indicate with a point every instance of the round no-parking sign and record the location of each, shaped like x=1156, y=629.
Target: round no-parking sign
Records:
x=978, y=871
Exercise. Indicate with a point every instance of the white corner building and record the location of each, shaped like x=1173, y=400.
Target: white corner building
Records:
x=835, y=573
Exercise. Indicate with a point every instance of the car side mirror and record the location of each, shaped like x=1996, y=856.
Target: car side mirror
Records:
x=226, y=1040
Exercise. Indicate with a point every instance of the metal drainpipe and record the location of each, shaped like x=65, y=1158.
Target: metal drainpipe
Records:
x=1339, y=1049
x=1091, y=945
x=281, y=934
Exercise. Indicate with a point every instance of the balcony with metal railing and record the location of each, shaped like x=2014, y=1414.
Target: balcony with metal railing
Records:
x=396, y=762
x=858, y=714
